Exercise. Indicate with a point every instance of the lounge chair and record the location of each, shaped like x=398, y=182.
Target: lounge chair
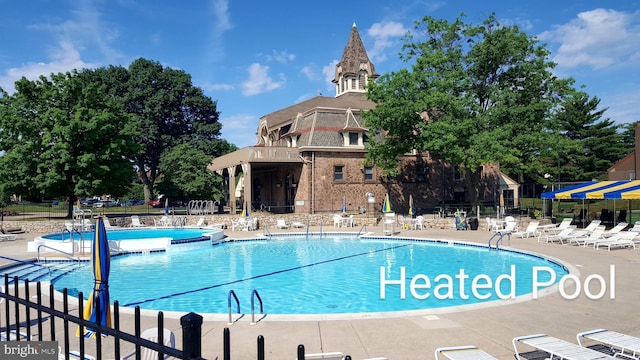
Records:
x=8, y=237
x=297, y=225
x=162, y=222
x=623, y=344
x=135, y=221
x=531, y=230
x=14, y=335
x=558, y=348
x=169, y=340
x=590, y=238
x=73, y=355
x=592, y=225
x=616, y=229
x=622, y=239
x=325, y=356
x=560, y=237
x=635, y=227
x=281, y=224
x=464, y=353
x=107, y=223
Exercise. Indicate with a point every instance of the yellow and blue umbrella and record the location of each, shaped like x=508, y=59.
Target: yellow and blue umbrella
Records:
x=245, y=210
x=98, y=308
x=386, y=206
x=411, y=211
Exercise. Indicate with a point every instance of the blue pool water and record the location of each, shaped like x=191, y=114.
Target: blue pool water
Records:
x=135, y=234
x=328, y=275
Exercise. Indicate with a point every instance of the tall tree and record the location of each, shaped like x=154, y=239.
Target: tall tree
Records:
x=63, y=137
x=597, y=144
x=475, y=94
x=185, y=174
x=170, y=109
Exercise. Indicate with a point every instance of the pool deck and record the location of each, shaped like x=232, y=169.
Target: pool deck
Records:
x=417, y=335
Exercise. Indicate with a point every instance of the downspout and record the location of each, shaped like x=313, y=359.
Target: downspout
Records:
x=313, y=182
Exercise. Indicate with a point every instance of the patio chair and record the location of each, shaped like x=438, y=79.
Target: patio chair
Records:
x=297, y=225
x=463, y=353
x=419, y=223
x=558, y=348
x=589, y=238
x=169, y=340
x=337, y=220
x=135, y=221
x=560, y=237
x=280, y=224
x=623, y=239
x=623, y=344
x=531, y=230
x=614, y=230
x=81, y=213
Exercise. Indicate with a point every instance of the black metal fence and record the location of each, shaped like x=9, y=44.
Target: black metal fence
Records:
x=34, y=317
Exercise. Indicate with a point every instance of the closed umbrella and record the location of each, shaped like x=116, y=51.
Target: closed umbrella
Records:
x=98, y=308
x=344, y=205
x=386, y=206
x=245, y=210
x=411, y=211
x=166, y=206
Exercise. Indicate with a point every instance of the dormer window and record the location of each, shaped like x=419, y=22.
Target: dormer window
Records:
x=353, y=138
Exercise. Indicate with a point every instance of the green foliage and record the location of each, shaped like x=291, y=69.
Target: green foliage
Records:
x=475, y=94
x=63, y=137
x=185, y=175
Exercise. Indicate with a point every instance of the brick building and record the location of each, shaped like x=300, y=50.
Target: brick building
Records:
x=309, y=158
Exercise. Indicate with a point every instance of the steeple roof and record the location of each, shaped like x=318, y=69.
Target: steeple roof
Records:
x=354, y=56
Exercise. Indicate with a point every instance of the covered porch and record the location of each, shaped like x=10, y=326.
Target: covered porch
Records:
x=266, y=178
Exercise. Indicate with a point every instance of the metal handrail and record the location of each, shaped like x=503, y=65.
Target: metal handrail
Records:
x=255, y=294
x=70, y=255
x=232, y=293
x=266, y=230
x=364, y=226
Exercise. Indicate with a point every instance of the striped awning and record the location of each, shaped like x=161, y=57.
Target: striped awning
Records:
x=627, y=189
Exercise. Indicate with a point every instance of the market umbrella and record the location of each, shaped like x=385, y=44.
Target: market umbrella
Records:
x=166, y=206
x=411, y=211
x=245, y=210
x=344, y=205
x=98, y=309
x=386, y=206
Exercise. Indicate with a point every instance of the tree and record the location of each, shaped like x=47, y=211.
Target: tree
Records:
x=473, y=95
x=171, y=111
x=63, y=137
x=597, y=145
x=185, y=174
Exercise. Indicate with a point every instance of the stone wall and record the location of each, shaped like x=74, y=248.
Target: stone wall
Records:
x=264, y=219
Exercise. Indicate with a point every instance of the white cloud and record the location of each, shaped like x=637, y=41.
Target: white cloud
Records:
x=64, y=58
x=309, y=72
x=221, y=22
x=384, y=35
x=280, y=56
x=260, y=81
x=329, y=72
x=598, y=38
x=240, y=129
x=207, y=86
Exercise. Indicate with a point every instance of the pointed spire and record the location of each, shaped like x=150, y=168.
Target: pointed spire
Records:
x=354, y=61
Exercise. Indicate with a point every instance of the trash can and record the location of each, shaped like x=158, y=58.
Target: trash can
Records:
x=473, y=223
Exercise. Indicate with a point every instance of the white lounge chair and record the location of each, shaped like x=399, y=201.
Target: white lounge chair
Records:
x=531, y=230
x=162, y=222
x=560, y=237
x=590, y=238
x=169, y=340
x=616, y=229
x=592, y=225
x=135, y=221
x=558, y=348
x=281, y=224
x=297, y=225
x=626, y=345
x=73, y=355
x=14, y=335
x=8, y=237
x=622, y=239
x=324, y=356
x=469, y=352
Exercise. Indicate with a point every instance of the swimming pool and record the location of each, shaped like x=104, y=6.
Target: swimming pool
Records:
x=329, y=275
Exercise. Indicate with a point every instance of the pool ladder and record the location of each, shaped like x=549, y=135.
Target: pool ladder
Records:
x=254, y=295
x=500, y=236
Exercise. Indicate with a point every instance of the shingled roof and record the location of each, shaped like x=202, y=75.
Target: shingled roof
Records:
x=354, y=57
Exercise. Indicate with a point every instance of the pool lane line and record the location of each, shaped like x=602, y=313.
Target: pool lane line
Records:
x=264, y=275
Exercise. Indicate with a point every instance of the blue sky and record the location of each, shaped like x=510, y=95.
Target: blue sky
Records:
x=255, y=57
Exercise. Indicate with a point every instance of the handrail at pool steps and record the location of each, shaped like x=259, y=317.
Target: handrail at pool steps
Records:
x=232, y=293
x=180, y=221
x=70, y=255
x=254, y=294
x=364, y=227
x=266, y=230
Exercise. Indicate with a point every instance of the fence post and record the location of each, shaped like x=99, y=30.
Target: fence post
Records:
x=191, y=335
